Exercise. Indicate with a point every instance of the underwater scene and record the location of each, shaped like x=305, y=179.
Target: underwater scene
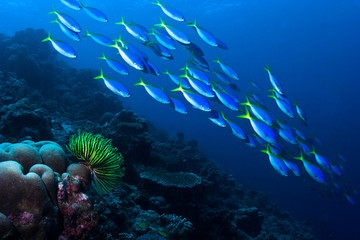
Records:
x=179, y=119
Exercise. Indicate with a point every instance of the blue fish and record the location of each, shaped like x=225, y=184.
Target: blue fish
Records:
x=115, y=86
x=225, y=99
x=95, y=13
x=170, y=12
x=259, y=113
x=174, y=33
x=236, y=129
x=115, y=65
x=287, y=135
x=154, y=92
x=313, y=171
x=229, y=71
x=222, y=77
x=283, y=106
x=132, y=48
x=153, y=68
x=61, y=47
x=321, y=160
x=70, y=34
x=200, y=61
x=292, y=166
x=163, y=40
x=250, y=141
x=194, y=49
x=194, y=99
x=263, y=130
x=177, y=105
x=197, y=74
x=204, y=35
x=276, y=162
x=135, y=31
x=129, y=57
x=73, y=4
x=221, y=44
x=100, y=39
x=160, y=50
x=68, y=21
x=300, y=111
x=274, y=82
x=217, y=118
x=199, y=86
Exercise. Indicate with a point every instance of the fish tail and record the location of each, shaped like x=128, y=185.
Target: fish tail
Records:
x=54, y=11
x=47, y=39
x=223, y=116
x=101, y=75
x=81, y=4
x=141, y=83
x=87, y=33
x=166, y=71
x=55, y=21
x=103, y=57
x=247, y=115
x=157, y=3
x=122, y=21
x=217, y=60
x=267, y=68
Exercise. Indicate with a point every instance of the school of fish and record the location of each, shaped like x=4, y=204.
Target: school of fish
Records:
x=211, y=90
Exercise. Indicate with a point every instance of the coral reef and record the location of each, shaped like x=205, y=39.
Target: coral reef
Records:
x=44, y=99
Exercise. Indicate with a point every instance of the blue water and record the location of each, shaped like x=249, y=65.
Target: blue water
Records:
x=312, y=47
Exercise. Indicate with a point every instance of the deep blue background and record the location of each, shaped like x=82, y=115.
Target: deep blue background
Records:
x=311, y=46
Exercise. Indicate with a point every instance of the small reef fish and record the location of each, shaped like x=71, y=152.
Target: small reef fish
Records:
x=194, y=49
x=194, y=99
x=300, y=111
x=155, y=92
x=129, y=57
x=115, y=86
x=216, y=118
x=135, y=31
x=283, y=105
x=313, y=171
x=177, y=105
x=197, y=74
x=95, y=13
x=236, y=129
x=263, y=130
x=170, y=12
x=229, y=71
x=174, y=33
x=276, y=162
x=259, y=113
x=199, y=86
x=115, y=65
x=62, y=47
x=321, y=160
x=165, y=41
x=73, y=4
x=69, y=33
x=225, y=99
x=274, y=82
x=68, y=21
x=205, y=35
x=100, y=39
x=176, y=79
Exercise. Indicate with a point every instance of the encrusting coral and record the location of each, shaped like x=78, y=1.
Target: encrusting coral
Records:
x=102, y=159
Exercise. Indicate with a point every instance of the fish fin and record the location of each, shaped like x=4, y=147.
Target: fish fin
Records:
x=122, y=21
x=247, y=115
x=54, y=11
x=217, y=60
x=223, y=116
x=157, y=3
x=141, y=83
x=103, y=56
x=87, y=33
x=47, y=39
x=190, y=24
x=101, y=75
x=179, y=88
x=267, y=68
x=166, y=71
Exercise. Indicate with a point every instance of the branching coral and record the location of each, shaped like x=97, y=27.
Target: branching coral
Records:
x=102, y=159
